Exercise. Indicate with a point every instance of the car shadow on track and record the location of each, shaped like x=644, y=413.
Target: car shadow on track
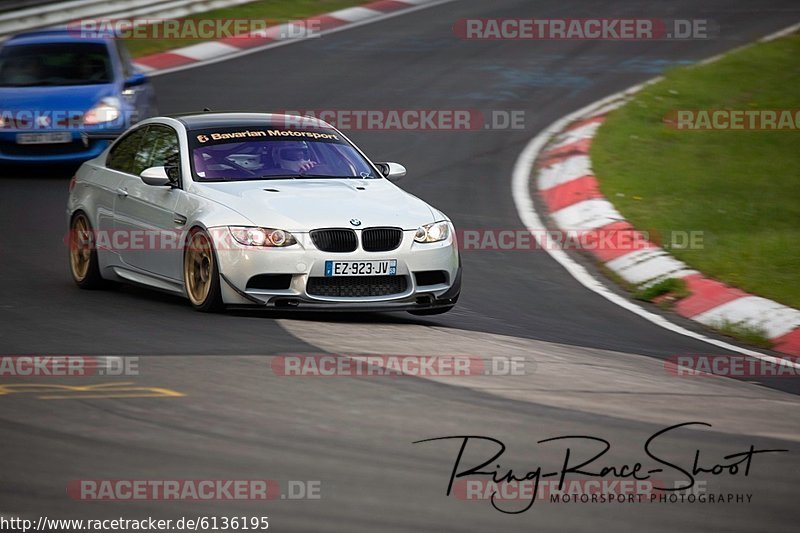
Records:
x=144, y=294
x=349, y=317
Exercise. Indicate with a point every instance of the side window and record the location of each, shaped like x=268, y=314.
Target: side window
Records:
x=123, y=153
x=159, y=149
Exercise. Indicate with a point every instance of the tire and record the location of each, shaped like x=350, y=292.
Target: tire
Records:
x=434, y=311
x=201, y=273
x=83, y=263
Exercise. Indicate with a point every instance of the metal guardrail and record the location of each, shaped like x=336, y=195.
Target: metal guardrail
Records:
x=45, y=14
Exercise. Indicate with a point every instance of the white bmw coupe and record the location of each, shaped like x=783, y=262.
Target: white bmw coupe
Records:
x=273, y=211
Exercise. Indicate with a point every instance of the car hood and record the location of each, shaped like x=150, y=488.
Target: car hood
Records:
x=77, y=98
x=303, y=205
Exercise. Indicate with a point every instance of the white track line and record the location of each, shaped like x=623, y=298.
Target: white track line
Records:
x=354, y=14
x=520, y=190
x=203, y=51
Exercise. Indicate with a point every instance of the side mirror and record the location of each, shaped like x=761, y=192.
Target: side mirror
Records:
x=136, y=79
x=156, y=176
x=391, y=171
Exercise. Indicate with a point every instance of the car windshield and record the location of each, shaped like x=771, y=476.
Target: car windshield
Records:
x=237, y=154
x=55, y=64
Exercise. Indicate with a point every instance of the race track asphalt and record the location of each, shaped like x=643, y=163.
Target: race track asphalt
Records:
x=593, y=368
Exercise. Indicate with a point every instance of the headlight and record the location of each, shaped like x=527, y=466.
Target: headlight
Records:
x=262, y=237
x=438, y=231
x=108, y=110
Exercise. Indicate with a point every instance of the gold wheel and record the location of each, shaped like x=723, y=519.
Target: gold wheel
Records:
x=80, y=247
x=198, y=268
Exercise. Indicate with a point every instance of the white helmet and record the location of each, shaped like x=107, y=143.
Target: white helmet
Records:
x=293, y=155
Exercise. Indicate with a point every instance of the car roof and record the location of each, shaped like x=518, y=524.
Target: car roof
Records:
x=54, y=35
x=198, y=121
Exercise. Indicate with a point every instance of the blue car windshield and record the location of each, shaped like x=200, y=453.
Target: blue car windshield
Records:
x=238, y=154
x=55, y=64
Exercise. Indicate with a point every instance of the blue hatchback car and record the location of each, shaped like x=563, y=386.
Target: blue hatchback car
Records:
x=61, y=91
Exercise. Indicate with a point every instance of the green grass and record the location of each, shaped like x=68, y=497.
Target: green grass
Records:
x=741, y=189
x=675, y=287
x=751, y=335
x=276, y=11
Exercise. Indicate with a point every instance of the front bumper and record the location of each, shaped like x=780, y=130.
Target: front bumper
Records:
x=74, y=152
x=239, y=264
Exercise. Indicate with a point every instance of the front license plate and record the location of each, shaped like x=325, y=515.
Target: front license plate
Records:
x=361, y=268
x=55, y=137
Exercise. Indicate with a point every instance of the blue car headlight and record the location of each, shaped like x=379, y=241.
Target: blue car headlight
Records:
x=107, y=110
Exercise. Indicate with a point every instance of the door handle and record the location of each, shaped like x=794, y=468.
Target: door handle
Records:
x=122, y=192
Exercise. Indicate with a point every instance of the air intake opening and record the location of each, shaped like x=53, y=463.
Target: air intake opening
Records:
x=431, y=277
x=270, y=282
x=357, y=286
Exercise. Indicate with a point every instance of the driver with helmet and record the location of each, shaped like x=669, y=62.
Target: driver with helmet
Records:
x=294, y=156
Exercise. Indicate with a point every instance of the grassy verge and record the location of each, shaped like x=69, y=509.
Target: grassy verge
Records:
x=751, y=335
x=672, y=287
x=741, y=189
x=276, y=11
